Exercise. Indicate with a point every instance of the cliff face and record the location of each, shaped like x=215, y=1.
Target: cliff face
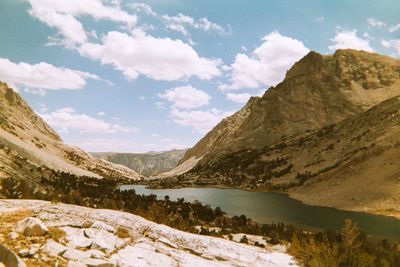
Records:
x=317, y=91
x=29, y=146
x=328, y=135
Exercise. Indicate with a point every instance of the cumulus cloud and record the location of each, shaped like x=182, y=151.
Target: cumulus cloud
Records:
x=200, y=121
x=349, y=39
x=267, y=64
x=67, y=119
x=156, y=58
x=374, y=23
x=42, y=76
x=186, y=97
x=238, y=98
x=62, y=15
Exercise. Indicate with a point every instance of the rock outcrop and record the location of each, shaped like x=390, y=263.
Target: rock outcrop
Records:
x=95, y=237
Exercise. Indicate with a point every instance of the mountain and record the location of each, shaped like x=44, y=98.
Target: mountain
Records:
x=147, y=164
x=317, y=91
x=30, y=149
x=327, y=135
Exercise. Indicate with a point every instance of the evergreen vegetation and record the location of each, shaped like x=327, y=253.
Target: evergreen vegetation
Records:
x=328, y=248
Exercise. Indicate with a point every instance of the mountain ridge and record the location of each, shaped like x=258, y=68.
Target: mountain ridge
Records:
x=334, y=133
x=317, y=91
x=148, y=164
x=32, y=149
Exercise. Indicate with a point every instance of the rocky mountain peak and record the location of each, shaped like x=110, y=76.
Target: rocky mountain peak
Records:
x=317, y=91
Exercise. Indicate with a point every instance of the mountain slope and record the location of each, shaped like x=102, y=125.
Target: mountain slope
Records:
x=147, y=164
x=350, y=165
x=348, y=162
x=317, y=91
x=30, y=148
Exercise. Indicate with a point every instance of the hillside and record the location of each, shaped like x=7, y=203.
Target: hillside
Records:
x=339, y=150
x=317, y=91
x=31, y=149
x=147, y=164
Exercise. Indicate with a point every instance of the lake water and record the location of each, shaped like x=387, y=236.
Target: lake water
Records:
x=268, y=207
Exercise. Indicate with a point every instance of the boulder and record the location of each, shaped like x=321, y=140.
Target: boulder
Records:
x=97, y=263
x=75, y=255
x=31, y=227
x=96, y=254
x=78, y=239
x=75, y=264
x=103, y=226
x=141, y=254
x=53, y=248
x=104, y=240
x=9, y=258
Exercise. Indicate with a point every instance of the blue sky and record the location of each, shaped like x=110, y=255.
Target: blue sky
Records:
x=134, y=76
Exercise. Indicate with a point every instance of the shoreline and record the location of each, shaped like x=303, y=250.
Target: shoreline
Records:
x=372, y=212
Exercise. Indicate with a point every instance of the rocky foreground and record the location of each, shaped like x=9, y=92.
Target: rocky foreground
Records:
x=48, y=234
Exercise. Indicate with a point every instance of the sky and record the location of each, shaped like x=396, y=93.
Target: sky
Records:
x=131, y=76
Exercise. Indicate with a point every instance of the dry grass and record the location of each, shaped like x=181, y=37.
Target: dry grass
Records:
x=56, y=233
x=122, y=232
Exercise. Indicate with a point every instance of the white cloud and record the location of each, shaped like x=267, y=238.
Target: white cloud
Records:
x=62, y=15
x=349, y=39
x=238, y=98
x=180, y=22
x=267, y=64
x=199, y=121
x=42, y=76
x=374, y=23
x=394, y=28
x=394, y=44
x=143, y=7
x=67, y=119
x=186, y=97
x=156, y=58
x=367, y=36
x=101, y=113
x=386, y=44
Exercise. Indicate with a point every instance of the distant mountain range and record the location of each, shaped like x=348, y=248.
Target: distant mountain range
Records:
x=147, y=164
x=328, y=134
